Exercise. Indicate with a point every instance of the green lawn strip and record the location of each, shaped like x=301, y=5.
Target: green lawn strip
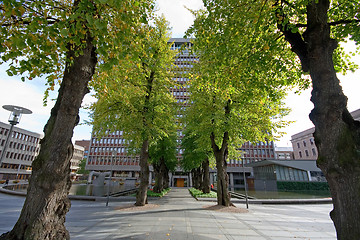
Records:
x=196, y=193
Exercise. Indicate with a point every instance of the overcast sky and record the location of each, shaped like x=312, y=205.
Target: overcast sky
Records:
x=30, y=93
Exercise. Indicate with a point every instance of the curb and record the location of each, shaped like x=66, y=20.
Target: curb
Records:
x=275, y=201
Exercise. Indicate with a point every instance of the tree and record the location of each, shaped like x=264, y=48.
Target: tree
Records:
x=314, y=37
x=196, y=160
x=134, y=96
x=82, y=165
x=234, y=97
x=163, y=159
x=55, y=38
x=312, y=30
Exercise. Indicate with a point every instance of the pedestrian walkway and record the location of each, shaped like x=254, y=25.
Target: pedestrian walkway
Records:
x=179, y=216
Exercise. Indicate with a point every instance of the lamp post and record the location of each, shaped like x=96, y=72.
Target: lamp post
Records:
x=14, y=119
x=246, y=194
x=113, y=154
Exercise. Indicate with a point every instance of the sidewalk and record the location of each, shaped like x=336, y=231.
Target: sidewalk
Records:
x=179, y=216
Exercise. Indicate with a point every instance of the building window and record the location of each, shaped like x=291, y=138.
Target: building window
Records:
x=306, y=153
x=311, y=141
x=304, y=142
x=298, y=145
x=300, y=154
x=313, y=151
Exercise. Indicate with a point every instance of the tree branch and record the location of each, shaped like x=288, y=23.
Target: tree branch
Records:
x=344, y=21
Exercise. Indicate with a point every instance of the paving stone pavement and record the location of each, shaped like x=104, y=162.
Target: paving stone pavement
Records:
x=179, y=217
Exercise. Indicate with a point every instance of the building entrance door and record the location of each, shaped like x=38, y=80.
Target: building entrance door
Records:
x=180, y=182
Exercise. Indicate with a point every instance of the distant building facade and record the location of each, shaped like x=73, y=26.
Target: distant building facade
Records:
x=86, y=145
x=268, y=173
x=304, y=145
x=284, y=153
x=78, y=155
x=22, y=149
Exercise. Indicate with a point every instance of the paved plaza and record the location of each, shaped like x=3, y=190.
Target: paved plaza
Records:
x=178, y=216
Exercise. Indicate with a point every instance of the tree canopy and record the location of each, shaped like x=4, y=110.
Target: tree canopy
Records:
x=36, y=35
x=134, y=95
x=281, y=38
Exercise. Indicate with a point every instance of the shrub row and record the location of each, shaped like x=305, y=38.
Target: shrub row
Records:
x=299, y=186
x=196, y=193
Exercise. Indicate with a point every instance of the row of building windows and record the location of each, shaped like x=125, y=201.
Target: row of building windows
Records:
x=181, y=93
x=267, y=152
x=311, y=140
x=107, y=149
x=258, y=144
x=15, y=166
x=109, y=140
x=18, y=135
x=19, y=156
x=307, y=153
x=20, y=146
x=112, y=160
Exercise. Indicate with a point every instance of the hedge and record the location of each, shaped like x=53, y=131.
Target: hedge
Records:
x=299, y=186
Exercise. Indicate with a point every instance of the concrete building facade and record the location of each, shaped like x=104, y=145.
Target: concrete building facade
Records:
x=85, y=144
x=22, y=149
x=284, y=153
x=78, y=155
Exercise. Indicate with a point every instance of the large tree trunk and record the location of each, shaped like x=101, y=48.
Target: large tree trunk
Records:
x=141, y=196
x=46, y=203
x=196, y=177
x=166, y=179
x=159, y=175
x=223, y=195
x=206, y=176
x=337, y=135
x=165, y=174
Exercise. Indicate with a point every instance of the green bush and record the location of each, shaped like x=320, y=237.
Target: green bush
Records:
x=300, y=186
x=150, y=193
x=196, y=193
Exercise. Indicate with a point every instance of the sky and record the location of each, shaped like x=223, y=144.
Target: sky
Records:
x=30, y=94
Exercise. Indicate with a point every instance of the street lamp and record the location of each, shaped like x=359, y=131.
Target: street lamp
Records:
x=14, y=119
x=246, y=193
x=113, y=155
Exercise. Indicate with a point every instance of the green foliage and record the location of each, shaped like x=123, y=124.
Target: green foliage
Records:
x=232, y=90
x=196, y=193
x=165, y=147
x=193, y=155
x=82, y=165
x=299, y=186
x=36, y=36
x=342, y=17
x=134, y=95
x=150, y=193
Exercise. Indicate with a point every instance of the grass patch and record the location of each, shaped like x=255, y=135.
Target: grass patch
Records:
x=150, y=193
x=196, y=193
